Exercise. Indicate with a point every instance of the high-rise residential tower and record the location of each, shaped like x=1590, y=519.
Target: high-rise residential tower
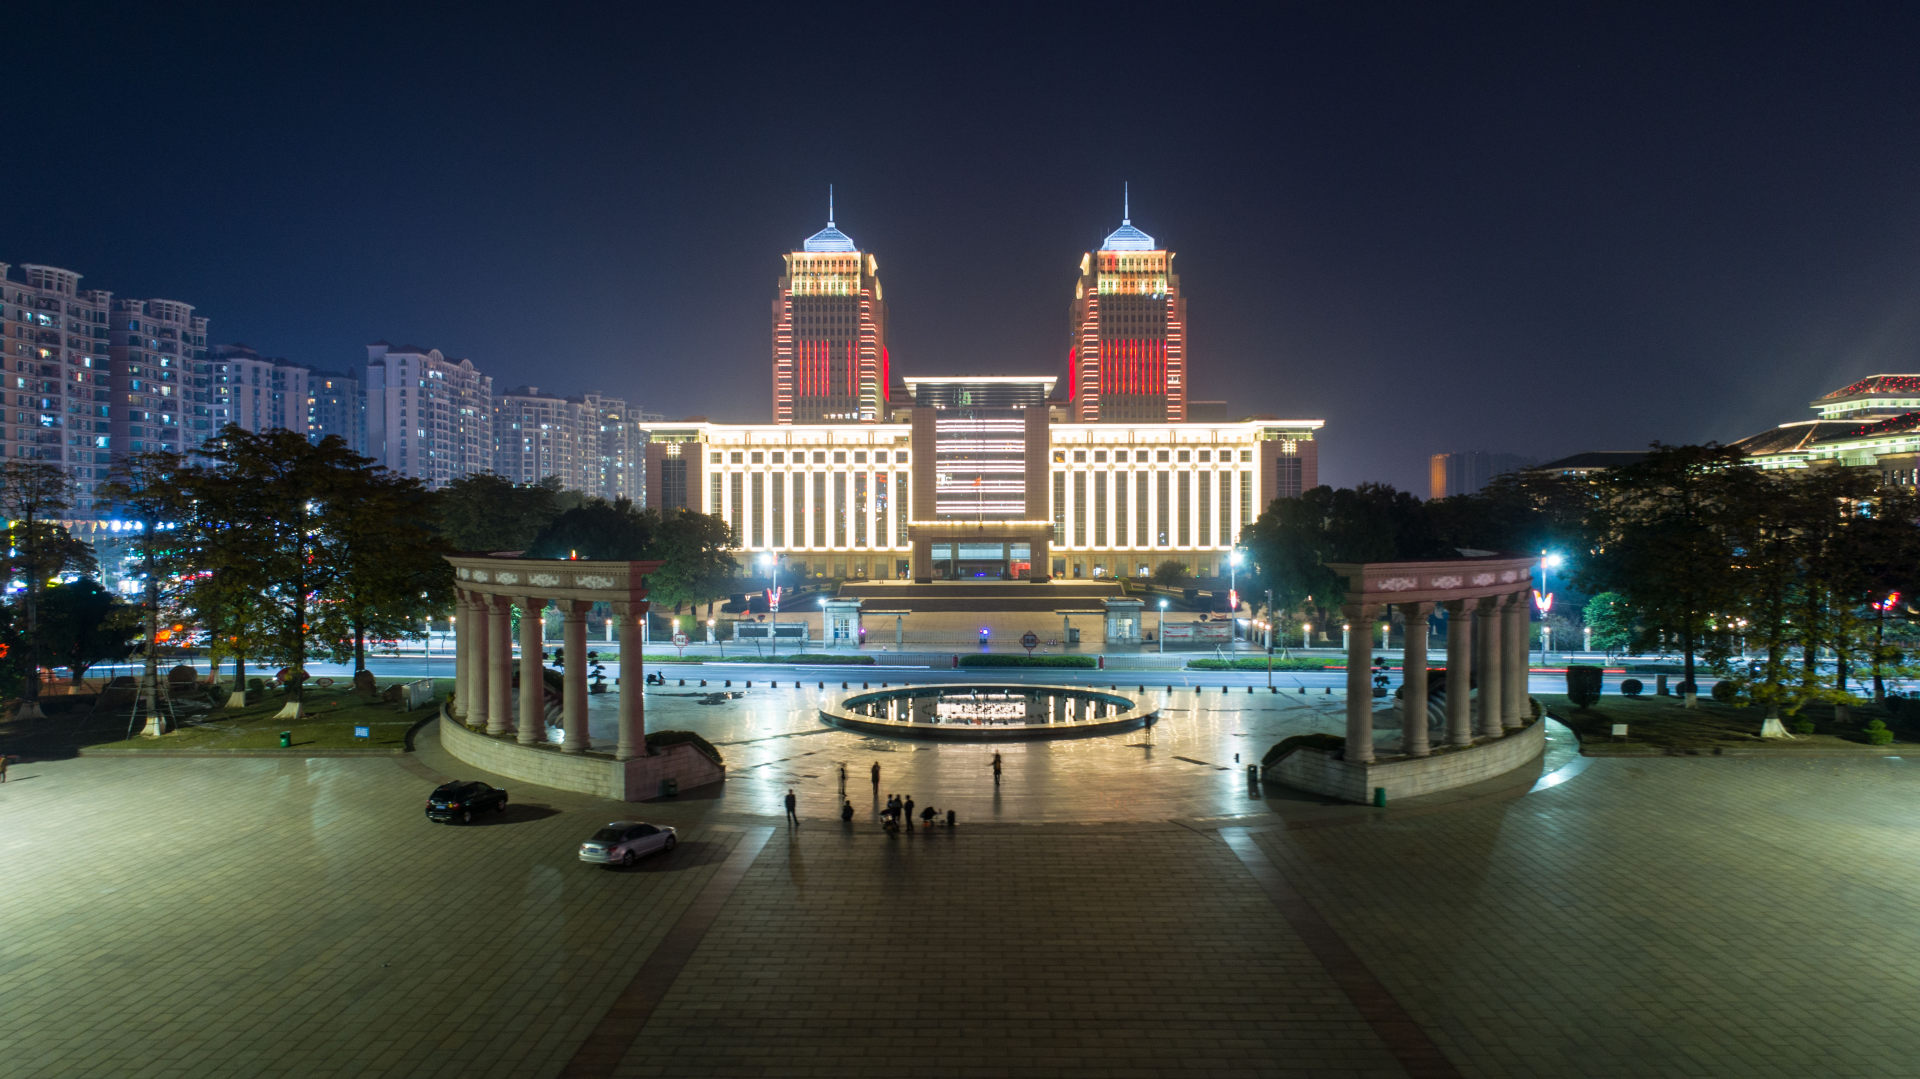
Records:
x=53, y=334
x=428, y=417
x=159, y=378
x=830, y=360
x=1127, y=356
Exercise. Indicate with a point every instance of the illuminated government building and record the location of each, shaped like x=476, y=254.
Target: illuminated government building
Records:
x=862, y=474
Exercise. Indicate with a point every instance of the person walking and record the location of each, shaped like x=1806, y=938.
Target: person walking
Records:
x=846, y=812
x=843, y=777
x=3, y=767
x=906, y=813
x=996, y=768
x=792, y=818
x=876, y=779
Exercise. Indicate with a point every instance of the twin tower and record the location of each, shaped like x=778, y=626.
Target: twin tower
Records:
x=1126, y=347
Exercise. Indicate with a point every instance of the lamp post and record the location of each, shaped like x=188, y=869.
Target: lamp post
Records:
x=1544, y=599
x=772, y=563
x=1233, y=594
x=1162, y=634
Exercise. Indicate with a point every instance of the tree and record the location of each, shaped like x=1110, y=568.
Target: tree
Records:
x=696, y=566
x=272, y=494
x=1295, y=538
x=145, y=487
x=392, y=576
x=1664, y=545
x=82, y=624
x=484, y=512
x=600, y=531
x=33, y=494
x=1171, y=573
x=1608, y=616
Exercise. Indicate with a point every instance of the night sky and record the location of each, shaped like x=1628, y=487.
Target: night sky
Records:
x=1538, y=229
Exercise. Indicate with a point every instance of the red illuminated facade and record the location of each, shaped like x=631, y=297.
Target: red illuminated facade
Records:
x=1127, y=357
x=829, y=335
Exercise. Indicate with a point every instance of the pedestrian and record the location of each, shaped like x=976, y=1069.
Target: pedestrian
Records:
x=996, y=768
x=3, y=767
x=843, y=777
x=907, y=808
x=846, y=811
x=876, y=779
x=792, y=818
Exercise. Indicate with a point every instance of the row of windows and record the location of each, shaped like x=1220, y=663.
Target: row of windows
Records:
x=1178, y=509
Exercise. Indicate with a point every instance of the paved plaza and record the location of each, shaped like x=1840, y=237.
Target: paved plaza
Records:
x=1110, y=909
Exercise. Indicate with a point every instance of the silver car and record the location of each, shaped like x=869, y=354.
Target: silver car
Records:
x=626, y=841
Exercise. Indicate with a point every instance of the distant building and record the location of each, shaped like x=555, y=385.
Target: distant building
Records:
x=58, y=399
x=1582, y=465
x=337, y=405
x=1450, y=474
x=1870, y=424
x=1127, y=347
x=428, y=417
x=830, y=362
x=254, y=392
x=159, y=377
x=589, y=443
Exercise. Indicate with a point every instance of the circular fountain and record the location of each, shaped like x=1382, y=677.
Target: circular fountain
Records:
x=989, y=712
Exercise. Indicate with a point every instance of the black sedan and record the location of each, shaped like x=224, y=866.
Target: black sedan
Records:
x=461, y=799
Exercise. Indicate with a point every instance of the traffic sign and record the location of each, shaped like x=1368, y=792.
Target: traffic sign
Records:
x=1029, y=641
x=680, y=642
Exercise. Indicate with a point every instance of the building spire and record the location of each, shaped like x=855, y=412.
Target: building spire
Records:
x=1126, y=203
x=829, y=205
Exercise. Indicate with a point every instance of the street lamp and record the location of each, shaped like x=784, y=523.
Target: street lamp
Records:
x=1162, y=634
x=772, y=563
x=1543, y=599
x=1233, y=592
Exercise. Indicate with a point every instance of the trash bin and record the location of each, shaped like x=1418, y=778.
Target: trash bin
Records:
x=286, y=739
x=669, y=787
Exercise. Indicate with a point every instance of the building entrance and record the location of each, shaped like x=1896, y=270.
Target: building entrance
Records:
x=982, y=561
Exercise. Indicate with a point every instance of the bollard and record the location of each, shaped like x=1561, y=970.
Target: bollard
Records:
x=863, y=685
x=683, y=681
x=1103, y=663
x=1273, y=689
x=1380, y=796
x=1329, y=691
x=1249, y=689
x=843, y=685
x=1303, y=691
x=822, y=685
x=749, y=683
x=703, y=682
x=729, y=684
x=1236, y=758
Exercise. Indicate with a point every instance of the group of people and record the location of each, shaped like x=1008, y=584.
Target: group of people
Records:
x=899, y=811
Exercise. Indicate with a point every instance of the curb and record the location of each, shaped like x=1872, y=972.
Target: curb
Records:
x=294, y=754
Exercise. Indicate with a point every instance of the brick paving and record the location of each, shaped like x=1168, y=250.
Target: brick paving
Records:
x=208, y=917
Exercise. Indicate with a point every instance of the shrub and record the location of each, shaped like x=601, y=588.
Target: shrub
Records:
x=1583, y=684
x=823, y=657
x=1801, y=726
x=218, y=694
x=1878, y=734
x=1003, y=659
x=257, y=684
x=1631, y=687
x=1687, y=687
x=1725, y=691
x=659, y=739
x=1247, y=663
x=1332, y=743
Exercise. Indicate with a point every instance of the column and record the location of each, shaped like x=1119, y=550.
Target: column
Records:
x=500, y=665
x=573, y=700
x=1359, y=685
x=462, y=627
x=478, y=683
x=1459, y=671
x=1513, y=663
x=533, y=701
x=1486, y=667
x=633, y=681
x=1413, y=689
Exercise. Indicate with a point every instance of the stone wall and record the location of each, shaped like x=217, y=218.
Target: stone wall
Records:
x=1325, y=773
x=635, y=780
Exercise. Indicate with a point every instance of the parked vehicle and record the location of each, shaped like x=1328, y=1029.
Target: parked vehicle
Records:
x=624, y=842
x=461, y=799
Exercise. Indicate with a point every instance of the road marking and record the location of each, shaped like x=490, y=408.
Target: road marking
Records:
x=1401, y=1034
x=607, y=1044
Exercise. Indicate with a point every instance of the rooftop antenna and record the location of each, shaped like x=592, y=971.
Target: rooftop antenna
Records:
x=1126, y=203
x=829, y=205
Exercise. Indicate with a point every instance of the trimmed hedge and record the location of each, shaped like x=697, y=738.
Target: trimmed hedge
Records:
x=1583, y=684
x=1631, y=687
x=1724, y=691
x=1250, y=663
x=1332, y=743
x=1001, y=659
x=825, y=657
x=659, y=739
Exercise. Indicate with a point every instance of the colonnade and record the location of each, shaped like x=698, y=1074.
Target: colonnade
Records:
x=1486, y=648
x=483, y=669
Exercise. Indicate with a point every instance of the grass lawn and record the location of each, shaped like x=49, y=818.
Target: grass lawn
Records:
x=1661, y=723
x=328, y=721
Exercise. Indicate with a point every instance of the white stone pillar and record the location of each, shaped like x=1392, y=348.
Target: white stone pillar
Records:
x=533, y=701
x=462, y=656
x=1513, y=698
x=1413, y=688
x=478, y=682
x=1486, y=667
x=500, y=666
x=1359, y=686
x=633, y=681
x=573, y=700
x=1459, y=671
